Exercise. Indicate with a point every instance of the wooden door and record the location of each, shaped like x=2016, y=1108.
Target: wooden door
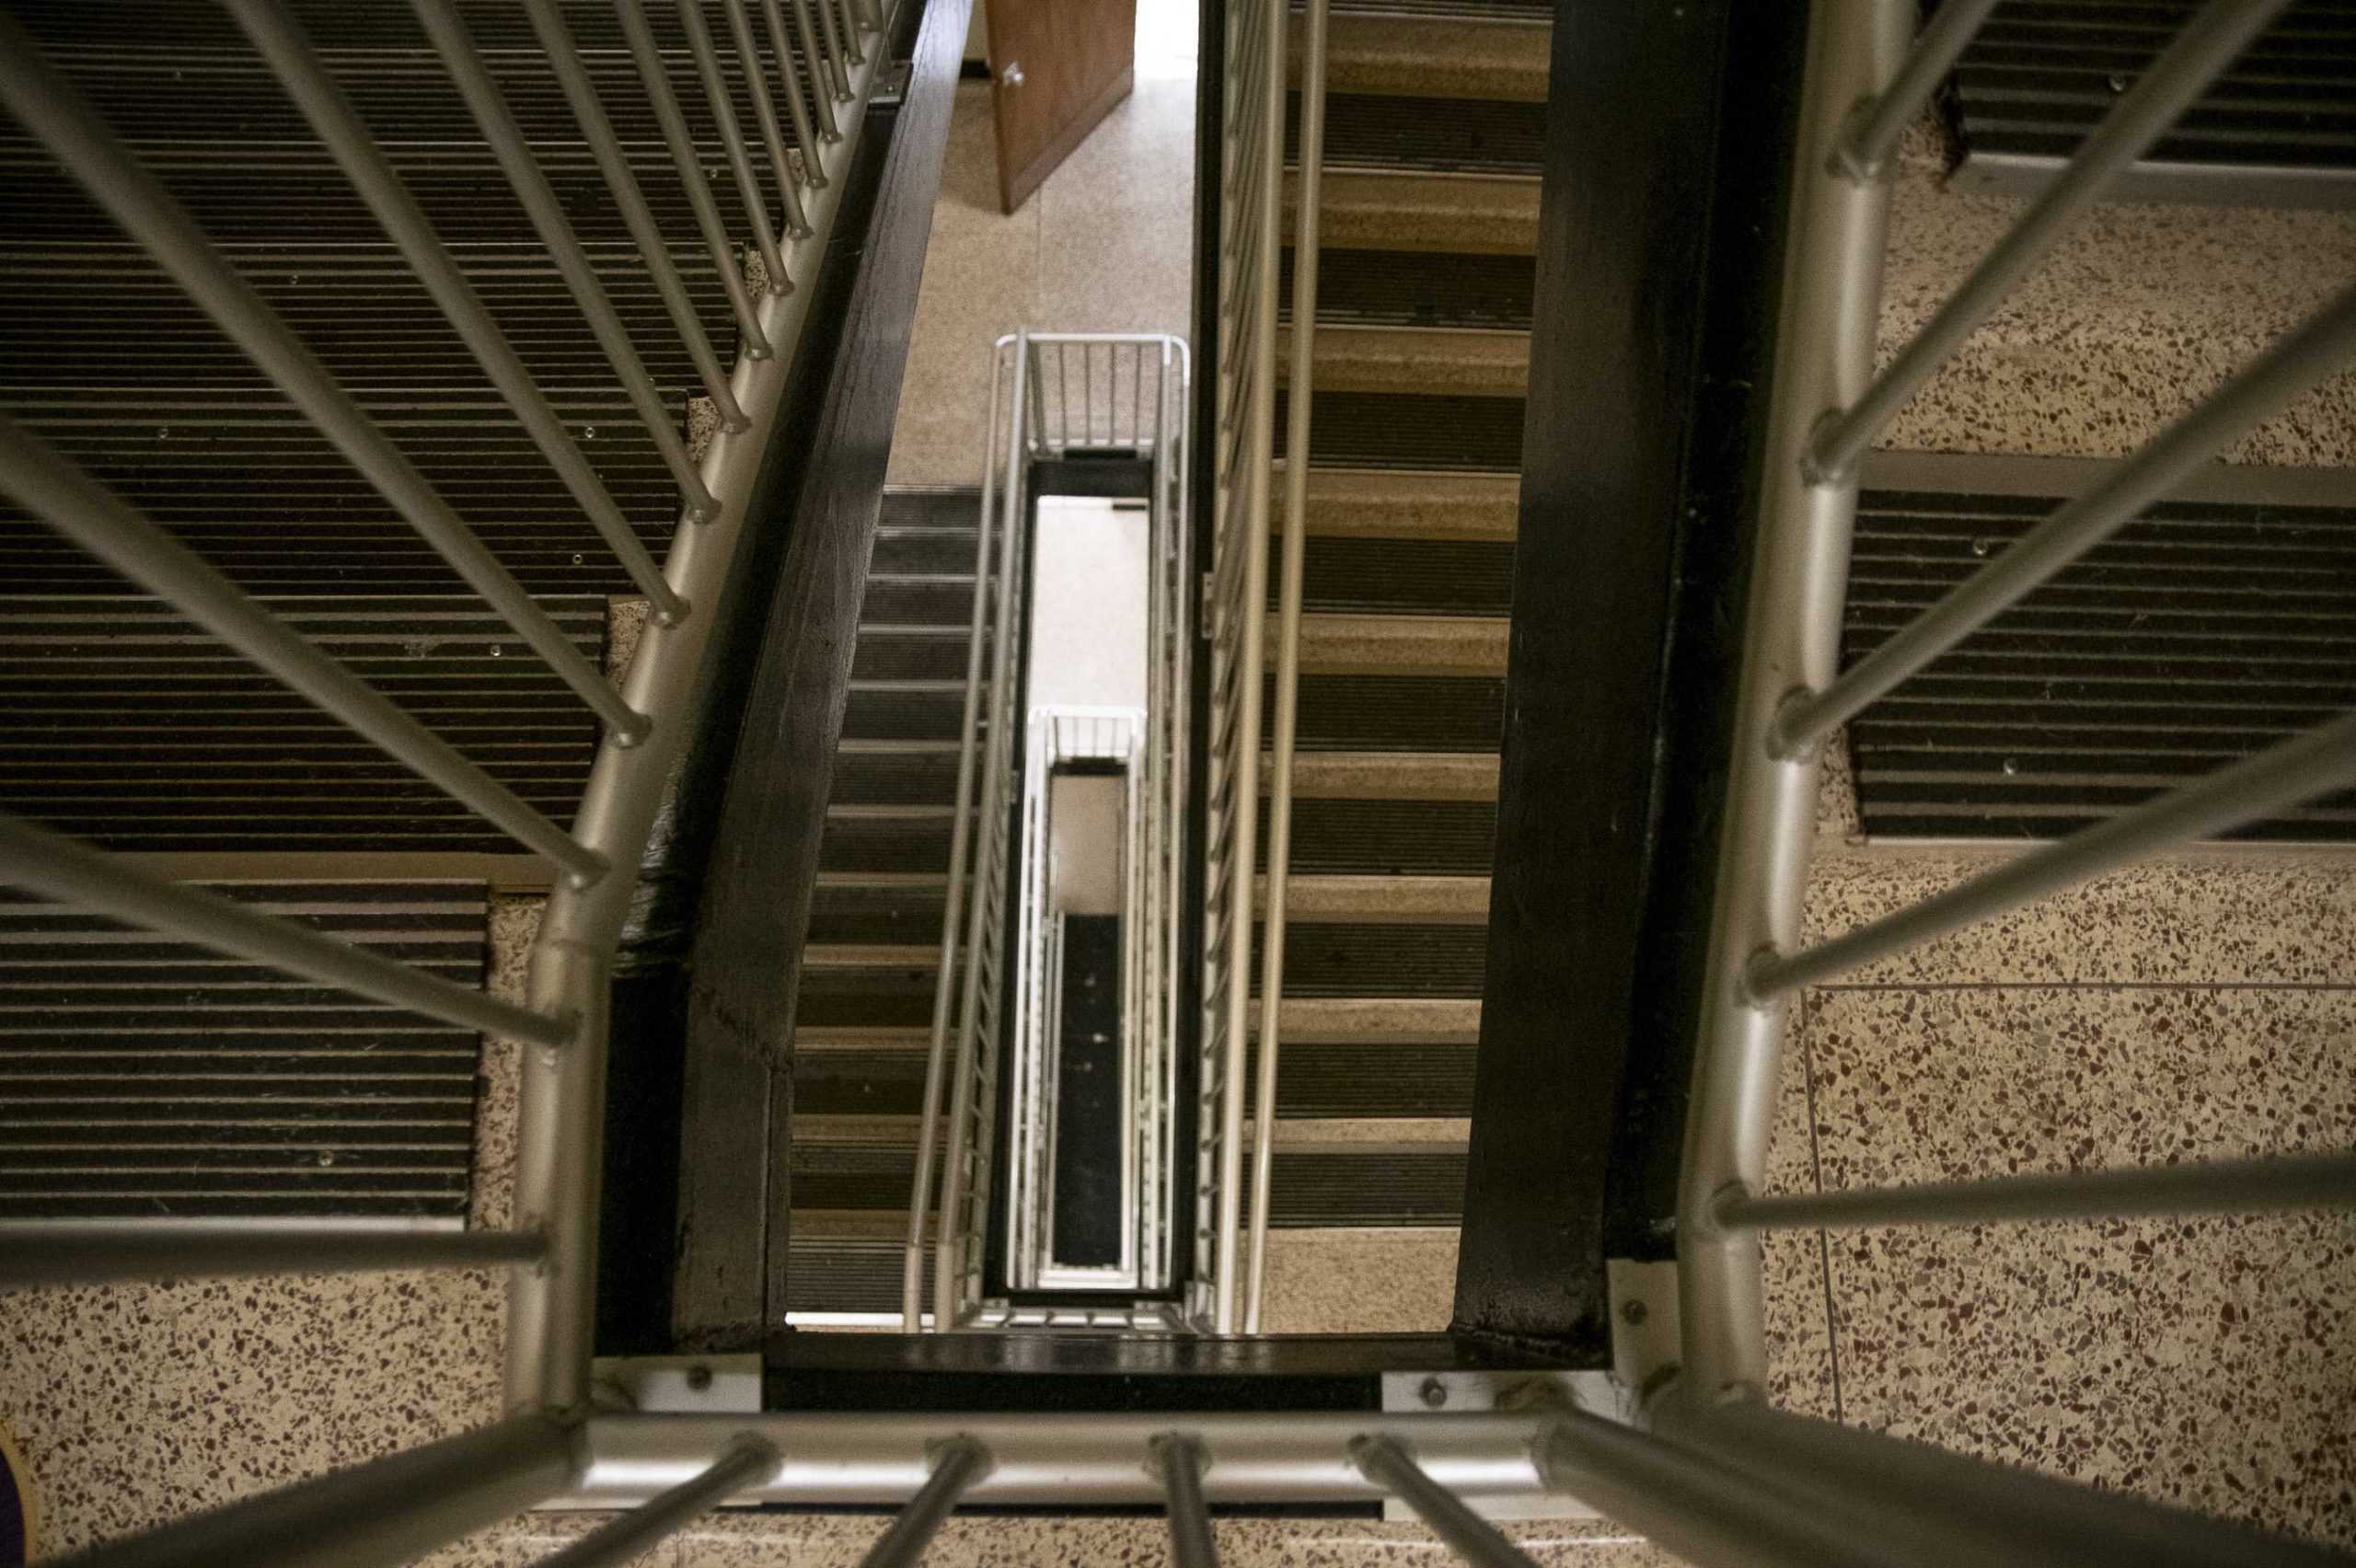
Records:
x=1058, y=67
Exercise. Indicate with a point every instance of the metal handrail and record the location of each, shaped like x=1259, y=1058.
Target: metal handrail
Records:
x=1883, y=1499
x=1026, y=423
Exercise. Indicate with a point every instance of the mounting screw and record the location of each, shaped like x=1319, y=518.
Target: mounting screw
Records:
x=1633, y=1312
x=1435, y=1392
x=699, y=1377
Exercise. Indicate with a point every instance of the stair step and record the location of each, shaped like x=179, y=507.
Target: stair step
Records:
x=1333, y=644
x=1446, y=432
x=1407, y=842
x=1391, y=776
x=1389, y=713
x=1384, y=133
x=1353, y=503
x=1431, y=57
x=1417, y=360
x=1416, y=288
x=1462, y=577
x=1423, y=211
x=1380, y=961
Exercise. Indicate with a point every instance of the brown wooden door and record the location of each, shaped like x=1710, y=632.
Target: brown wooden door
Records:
x=1058, y=66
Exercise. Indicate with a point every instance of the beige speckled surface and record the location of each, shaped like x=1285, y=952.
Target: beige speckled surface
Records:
x=1334, y=643
x=1432, y=57
x=625, y=623
x=2141, y=312
x=1414, y=360
x=1411, y=211
x=1397, y=505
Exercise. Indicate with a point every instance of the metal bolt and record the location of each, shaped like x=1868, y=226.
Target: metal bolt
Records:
x=1981, y=547
x=2012, y=766
x=1633, y=1312
x=1435, y=1392
x=494, y=649
x=699, y=1377
x=327, y=1156
x=2118, y=82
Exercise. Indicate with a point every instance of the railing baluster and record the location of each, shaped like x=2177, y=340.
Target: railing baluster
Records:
x=484, y=100
x=833, y=55
x=654, y=250
x=64, y=121
x=1470, y=1537
x=749, y=1459
x=2250, y=791
x=790, y=87
x=380, y=1515
x=740, y=29
x=91, y=879
x=956, y=1465
x=2323, y=344
x=1978, y=1511
x=821, y=85
x=1871, y=132
x=305, y=81
x=732, y=140
x=1179, y=1458
x=49, y=487
x=2208, y=44
x=41, y=1253
x=2225, y=1186
x=689, y=167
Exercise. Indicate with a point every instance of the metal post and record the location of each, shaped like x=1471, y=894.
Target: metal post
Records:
x=1698, y=1506
x=559, y=1170
x=745, y=1463
x=956, y=1465
x=1978, y=1511
x=2208, y=44
x=280, y=41
x=789, y=85
x=953, y=912
x=1871, y=132
x=2275, y=779
x=47, y=1252
x=379, y=1514
x=833, y=53
x=732, y=140
x=49, y=487
x=91, y=879
x=1470, y=1537
x=821, y=93
x=1288, y=595
x=1180, y=1459
x=740, y=29
x=2224, y=1186
x=689, y=167
x=2320, y=346
x=451, y=39
x=65, y=123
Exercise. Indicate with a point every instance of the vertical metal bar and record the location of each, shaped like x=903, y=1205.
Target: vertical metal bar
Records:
x=833, y=54
x=1180, y=1459
x=653, y=249
x=747, y=1462
x=689, y=167
x=731, y=141
x=1799, y=583
x=740, y=29
x=1249, y=534
x=1696, y=1505
x=1470, y=1537
x=45, y=1253
x=956, y=1465
x=455, y=45
x=2209, y=43
x=953, y=912
x=49, y=487
x=65, y=123
x=851, y=52
x=2224, y=1186
x=559, y=1171
x=2275, y=779
x=2320, y=346
x=1288, y=596
x=378, y=1515
x=948, y=1235
x=1870, y=133
x=296, y=64
x=95, y=881
x=821, y=83
x=806, y=139
x=1969, y=1509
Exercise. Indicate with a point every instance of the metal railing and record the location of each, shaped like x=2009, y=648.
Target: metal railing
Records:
x=1868, y=79
x=1722, y=1478
x=1231, y=1220
x=1052, y=395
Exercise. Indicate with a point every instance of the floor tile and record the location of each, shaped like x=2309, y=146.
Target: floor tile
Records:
x=1116, y=221
x=2210, y=1362
x=1360, y=1282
